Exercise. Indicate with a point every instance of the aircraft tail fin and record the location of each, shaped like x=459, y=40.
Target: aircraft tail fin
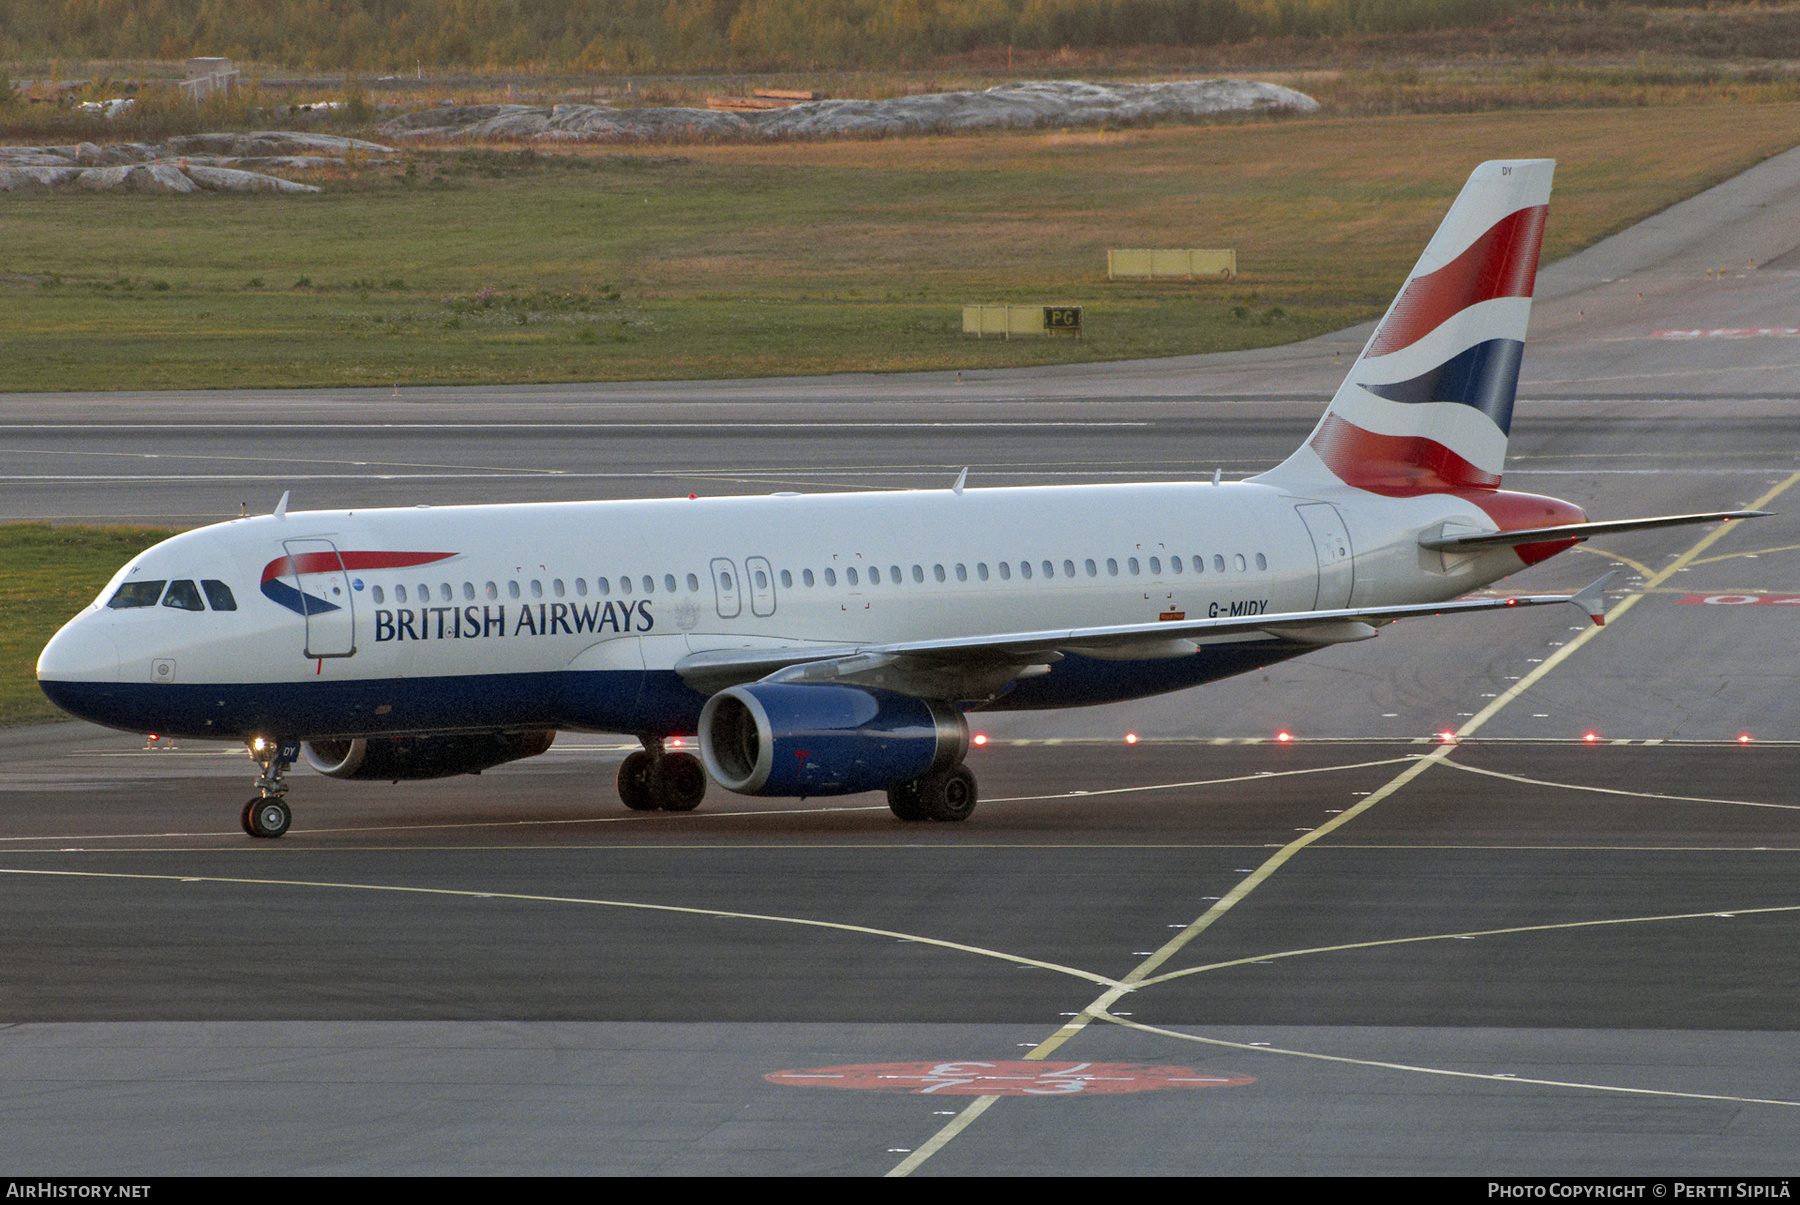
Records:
x=1427, y=406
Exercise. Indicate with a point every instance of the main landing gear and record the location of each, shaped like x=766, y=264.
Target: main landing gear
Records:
x=267, y=815
x=947, y=795
x=652, y=780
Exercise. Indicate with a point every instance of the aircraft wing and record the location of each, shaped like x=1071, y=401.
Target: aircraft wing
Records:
x=1576, y=531
x=718, y=668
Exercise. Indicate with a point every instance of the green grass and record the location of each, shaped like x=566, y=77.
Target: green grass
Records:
x=797, y=258
x=47, y=574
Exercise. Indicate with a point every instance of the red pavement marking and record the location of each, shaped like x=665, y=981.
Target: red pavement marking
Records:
x=1740, y=600
x=970, y=1078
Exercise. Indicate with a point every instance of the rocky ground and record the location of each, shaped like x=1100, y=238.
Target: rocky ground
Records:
x=191, y=164
x=1016, y=105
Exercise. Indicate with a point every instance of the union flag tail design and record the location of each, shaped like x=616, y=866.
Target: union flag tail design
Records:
x=1427, y=406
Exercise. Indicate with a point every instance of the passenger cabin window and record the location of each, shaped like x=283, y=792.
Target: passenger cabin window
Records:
x=981, y=570
x=694, y=582
x=806, y=575
x=469, y=591
x=1005, y=572
x=399, y=593
x=1131, y=563
x=602, y=585
x=874, y=575
x=937, y=571
x=1025, y=570
x=1199, y=564
x=1262, y=562
x=787, y=579
x=219, y=594
x=493, y=591
x=378, y=595
x=1068, y=568
x=1240, y=562
x=581, y=587
x=1049, y=569
x=1112, y=567
x=1156, y=566
x=962, y=572
x=1175, y=563
x=850, y=576
x=1218, y=563
x=649, y=584
x=183, y=595
x=537, y=588
x=556, y=587
x=830, y=578
x=625, y=582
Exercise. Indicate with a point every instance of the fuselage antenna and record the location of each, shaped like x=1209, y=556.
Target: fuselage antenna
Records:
x=281, y=506
x=961, y=478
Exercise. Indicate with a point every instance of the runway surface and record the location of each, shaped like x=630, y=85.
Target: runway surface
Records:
x=1561, y=941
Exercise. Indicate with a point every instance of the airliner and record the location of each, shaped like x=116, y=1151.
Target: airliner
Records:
x=826, y=644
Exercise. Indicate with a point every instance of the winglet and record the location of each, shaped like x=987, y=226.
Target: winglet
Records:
x=281, y=506
x=961, y=478
x=1593, y=599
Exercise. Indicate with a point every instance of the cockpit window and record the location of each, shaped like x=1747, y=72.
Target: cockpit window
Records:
x=218, y=594
x=183, y=595
x=137, y=594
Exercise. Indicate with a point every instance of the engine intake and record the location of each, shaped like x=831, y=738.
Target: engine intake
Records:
x=791, y=739
x=423, y=756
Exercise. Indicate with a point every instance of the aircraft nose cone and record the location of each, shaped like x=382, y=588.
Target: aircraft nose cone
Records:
x=82, y=652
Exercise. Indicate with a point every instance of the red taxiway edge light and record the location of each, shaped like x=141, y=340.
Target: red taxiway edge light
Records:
x=1284, y=736
x=1448, y=737
x=1743, y=738
x=1590, y=737
x=1131, y=738
x=980, y=738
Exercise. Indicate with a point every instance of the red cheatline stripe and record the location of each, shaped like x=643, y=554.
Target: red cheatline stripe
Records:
x=1395, y=466
x=1501, y=263
x=325, y=562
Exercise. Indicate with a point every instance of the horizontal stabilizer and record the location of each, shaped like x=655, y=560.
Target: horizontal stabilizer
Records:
x=1576, y=531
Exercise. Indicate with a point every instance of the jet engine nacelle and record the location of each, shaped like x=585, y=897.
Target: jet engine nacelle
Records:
x=771, y=738
x=427, y=756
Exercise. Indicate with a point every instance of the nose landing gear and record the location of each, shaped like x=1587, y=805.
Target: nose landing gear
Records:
x=267, y=815
x=654, y=780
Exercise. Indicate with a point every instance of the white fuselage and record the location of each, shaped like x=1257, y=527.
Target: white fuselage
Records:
x=508, y=599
